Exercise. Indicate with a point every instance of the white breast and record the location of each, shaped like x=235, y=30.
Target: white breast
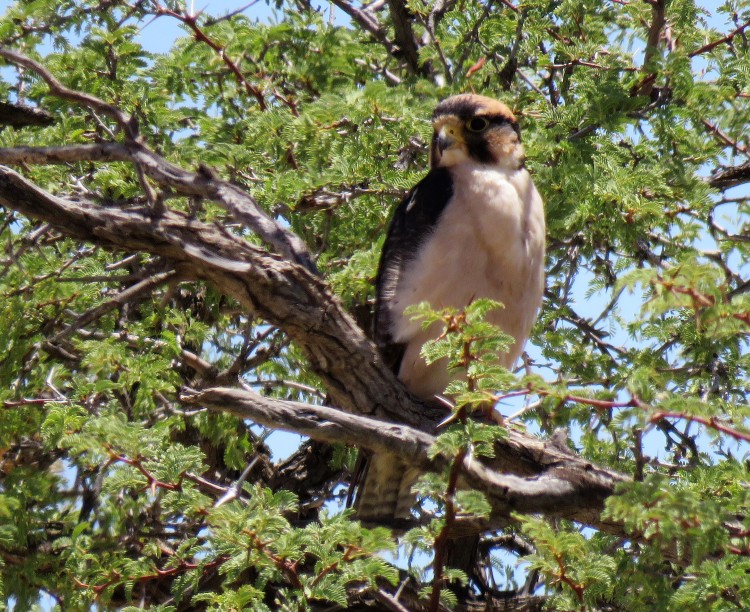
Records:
x=489, y=242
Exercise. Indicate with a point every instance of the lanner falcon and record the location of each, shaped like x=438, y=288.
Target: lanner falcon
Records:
x=472, y=228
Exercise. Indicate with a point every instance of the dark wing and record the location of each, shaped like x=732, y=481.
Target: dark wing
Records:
x=414, y=219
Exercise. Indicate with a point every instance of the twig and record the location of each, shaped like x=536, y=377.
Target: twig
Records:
x=128, y=124
x=121, y=298
x=441, y=541
x=36, y=401
x=236, y=490
x=191, y=21
x=242, y=9
x=720, y=41
x=701, y=300
x=286, y=567
x=153, y=482
x=716, y=130
x=369, y=23
x=406, y=42
x=710, y=422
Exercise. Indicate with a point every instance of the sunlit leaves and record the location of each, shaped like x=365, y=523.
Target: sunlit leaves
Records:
x=109, y=486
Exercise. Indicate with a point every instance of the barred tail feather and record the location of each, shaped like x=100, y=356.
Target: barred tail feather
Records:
x=385, y=493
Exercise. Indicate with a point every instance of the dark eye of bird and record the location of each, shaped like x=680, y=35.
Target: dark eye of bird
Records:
x=477, y=124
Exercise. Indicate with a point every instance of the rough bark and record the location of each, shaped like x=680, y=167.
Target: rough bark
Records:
x=557, y=482
x=527, y=475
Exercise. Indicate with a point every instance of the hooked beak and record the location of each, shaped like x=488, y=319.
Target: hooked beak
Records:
x=447, y=137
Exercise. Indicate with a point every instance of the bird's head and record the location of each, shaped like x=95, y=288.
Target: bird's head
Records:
x=475, y=129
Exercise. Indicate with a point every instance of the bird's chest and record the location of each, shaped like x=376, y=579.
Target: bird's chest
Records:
x=483, y=246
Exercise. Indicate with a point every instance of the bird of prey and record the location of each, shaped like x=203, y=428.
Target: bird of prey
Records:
x=472, y=228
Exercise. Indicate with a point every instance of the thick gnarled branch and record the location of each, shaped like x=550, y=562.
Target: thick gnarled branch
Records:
x=527, y=474
x=281, y=292
x=556, y=482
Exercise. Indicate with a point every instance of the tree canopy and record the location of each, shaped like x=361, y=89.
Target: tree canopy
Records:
x=190, y=239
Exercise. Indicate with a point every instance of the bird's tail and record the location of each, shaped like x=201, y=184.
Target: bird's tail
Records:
x=385, y=494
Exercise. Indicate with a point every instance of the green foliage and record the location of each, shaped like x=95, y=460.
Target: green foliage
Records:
x=110, y=486
x=578, y=569
x=471, y=346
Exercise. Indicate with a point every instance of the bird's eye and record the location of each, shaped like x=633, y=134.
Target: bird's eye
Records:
x=477, y=124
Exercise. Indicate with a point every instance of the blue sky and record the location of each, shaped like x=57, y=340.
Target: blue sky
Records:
x=158, y=36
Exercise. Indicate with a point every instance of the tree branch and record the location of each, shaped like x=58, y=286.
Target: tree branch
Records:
x=557, y=482
x=284, y=293
x=724, y=39
x=237, y=202
x=730, y=177
x=125, y=296
x=17, y=115
x=233, y=199
x=549, y=479
x=405, y=39
x=127, y=123
x=652, y=45
x=368, y=22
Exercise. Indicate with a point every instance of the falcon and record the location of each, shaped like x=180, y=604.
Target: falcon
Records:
x=472, y=228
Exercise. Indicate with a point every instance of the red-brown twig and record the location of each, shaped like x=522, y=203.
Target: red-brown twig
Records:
x=348, y=555
x=286, y=567
x=634, y=402
x=153, y=482
x=183, y=567
x=563, y=577
x=711, y=422
x=191, y=21
x=701, y=300
x=717, y=131
x=720, y=41
x=442, y=539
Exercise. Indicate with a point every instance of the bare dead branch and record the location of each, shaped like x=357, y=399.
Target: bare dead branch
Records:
x=557, y=482
x=127, y=123
x=280, y=291
x=237, y=202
